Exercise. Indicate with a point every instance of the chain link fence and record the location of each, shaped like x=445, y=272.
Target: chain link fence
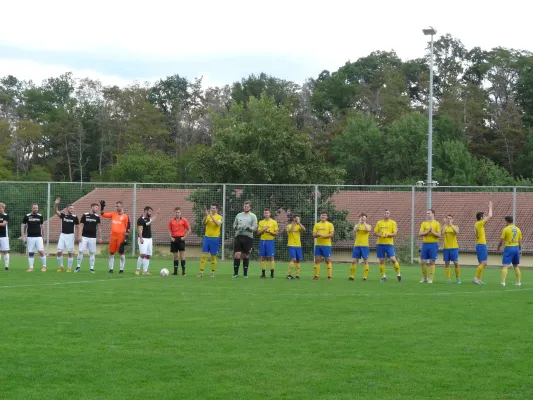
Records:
x=342, y=203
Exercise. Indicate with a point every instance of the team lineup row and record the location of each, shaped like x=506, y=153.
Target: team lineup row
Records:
x=87, y=229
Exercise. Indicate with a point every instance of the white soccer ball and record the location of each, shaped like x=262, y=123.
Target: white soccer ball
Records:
x=164, y=272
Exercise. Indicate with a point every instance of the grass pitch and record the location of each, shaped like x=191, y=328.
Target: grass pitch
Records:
x=94, y=336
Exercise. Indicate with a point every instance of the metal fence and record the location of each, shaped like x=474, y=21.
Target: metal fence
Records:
x=343, y=204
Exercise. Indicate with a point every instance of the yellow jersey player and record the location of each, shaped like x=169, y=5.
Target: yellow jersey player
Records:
x=511, y=237
x=267, y=229
x=294, y=243
x=481, y=243
x=386, y=229
x=212, y=222
x=323, y=231
x=430, y=234
x=450, y=250
x=361, y=247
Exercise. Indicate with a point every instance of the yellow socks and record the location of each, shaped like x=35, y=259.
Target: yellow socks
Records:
x=431, y=271
x=365, y=271
x=291, y=264
x=316, y=268
x=382, y=269
x=479, y=271
x=352, y=270
x=329, y=269
x=213, y=263
x=272, y=265
x=517, y=274
x=297, y=269
x=457, y=273
x=504, y=275
x=263, y=265
x=202, y=262
x=448, y=272
x=396, y=266
x=425, y=271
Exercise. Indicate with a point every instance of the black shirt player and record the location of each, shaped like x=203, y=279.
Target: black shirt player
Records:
x=32, y=230
x=144, y=231
x=66, y=238
x=4, y=236
x=91, y=228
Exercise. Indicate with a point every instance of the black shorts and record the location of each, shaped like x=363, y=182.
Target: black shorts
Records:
x=177, y=245
x=243, y=244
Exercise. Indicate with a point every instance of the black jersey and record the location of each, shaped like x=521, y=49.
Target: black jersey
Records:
x=3, y=229
x=146, y=224
x=34, y=223
x=90, y=223
x=67, y=223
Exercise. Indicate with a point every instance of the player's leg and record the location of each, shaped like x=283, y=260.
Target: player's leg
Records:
x=181, y=246
x=4, y=249
x=263, y=258
x=365, y=254
x=113, y=248
x=356, y=255
x=506, y=262
x=482, y=257
x=380, y=253
x=447, y=258
x=292, y=257
x=6, y=259
x=455, y=260
x=70, y=251
x=214, y=244
x=81, y=249
x=272, y=266
x=61, y=245
x=516, y=262
x=237, y=249
x=299, y=258
x=247, y=249
x=147, y=256
x=40, y=249
x=205, y=252
x=329, y=265
x=271, y=250
x=318, y=260
x=121, y=253
x=433, y=255
x=140, y=259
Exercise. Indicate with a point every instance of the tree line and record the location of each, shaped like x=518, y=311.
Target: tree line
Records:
x=365, y=123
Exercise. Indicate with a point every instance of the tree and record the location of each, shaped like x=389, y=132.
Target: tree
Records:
x=282, y=91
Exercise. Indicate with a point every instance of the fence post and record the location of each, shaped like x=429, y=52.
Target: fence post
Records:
x=133, y=222
x=514, y=204
x=316, y=203
x=412, y=225
x=48, y=221
x=224, y=221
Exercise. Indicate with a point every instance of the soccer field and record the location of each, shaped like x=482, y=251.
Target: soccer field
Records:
x=94, y=336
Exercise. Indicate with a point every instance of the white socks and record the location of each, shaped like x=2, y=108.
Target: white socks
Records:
x=140, y=262
x=31, y=260
x=91, y=261
x=43, y=261
x=80, y=259
x=146, y=263
x=60, y=260
x=122, y=262
x=111, y=262
x=69, y=262
x=6, y=260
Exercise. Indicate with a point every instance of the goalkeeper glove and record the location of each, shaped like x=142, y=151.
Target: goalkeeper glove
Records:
x=102, y=205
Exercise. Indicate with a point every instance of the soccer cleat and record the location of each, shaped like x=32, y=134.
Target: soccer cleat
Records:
x=6, y=269
x=430, y=281
x=518, y=284
x=399, y=277
x=478, y=282
x=91, y=271
x=315, y=278
x=121, y=271
x=183, y=274
x=297, y=277
x=29, y=270
x=351, y=279
x=138, y=272
x=448, y=281
x=147, y=273
x=458, y=281
x=503, y=283
x=43, y=269
x=60, y=269
x=329, y=278
x=384, y=279
x=235, y=276
x=364, y=279
x=78, y=269
x=69, y=269
x=271, y=277
x=200, y=275
x=424, y=280
x=262, y=277
x=175, y=273
x=289, y=277
x=212, y=274
x=110, y=272
x=245, y=276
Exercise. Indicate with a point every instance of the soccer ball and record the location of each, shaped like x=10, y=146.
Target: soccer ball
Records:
x=164, y=272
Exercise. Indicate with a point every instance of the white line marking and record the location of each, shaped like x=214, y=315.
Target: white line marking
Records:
x=69, y=283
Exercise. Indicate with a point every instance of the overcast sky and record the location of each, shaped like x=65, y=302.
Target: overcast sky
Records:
x=119, y=41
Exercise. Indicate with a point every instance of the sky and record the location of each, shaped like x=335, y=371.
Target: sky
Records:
x=120, y=41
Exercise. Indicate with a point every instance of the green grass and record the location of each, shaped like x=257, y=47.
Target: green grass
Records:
x=84, y=336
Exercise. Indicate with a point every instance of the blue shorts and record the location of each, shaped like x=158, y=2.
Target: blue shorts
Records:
x=360, y=252
x=266, y=248
x=450, y=255
x=210, y=245
x=385, y=250
x=430, y=251
x=323, y=251
x=295, y=253
x=511, y=255
x=482, y=253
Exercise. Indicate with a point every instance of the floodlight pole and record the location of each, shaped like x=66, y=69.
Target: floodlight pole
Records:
x=429, y=182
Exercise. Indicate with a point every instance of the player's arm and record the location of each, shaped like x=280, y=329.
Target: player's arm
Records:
x=236, y=222
x=99, y=230
x=170, y=230
x=302, y=228
x=23, y=232
x=56, y=207
x=80, y=230
x=253, y=228
x=4, y=222
x=276, y=232
x=217, y=222
x=315, y=232
x=489, y=216
x=155, y=216
x=437, y=233
x=502, y=241
x=330, y=234
x=140, y=228
x=106, y=215
x=422, y=232
x=376, y=231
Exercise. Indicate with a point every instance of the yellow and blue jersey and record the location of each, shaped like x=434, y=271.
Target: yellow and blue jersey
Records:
x=271, y=225
x=362, y=236
x=450, y=238
x=512, y=235
x=480, y=232
x=212, y=230
x=294, y=235
x=386, y=227
x=426, y=227
x=324, y=228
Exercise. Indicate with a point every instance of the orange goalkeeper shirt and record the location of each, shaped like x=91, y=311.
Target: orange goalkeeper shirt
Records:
x=120, y=223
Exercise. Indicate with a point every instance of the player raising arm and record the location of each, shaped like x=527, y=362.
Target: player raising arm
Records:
x=4, y=236
x=481, y=243
x=120, y=228
x=89, y=229
x=31, y=231
x=69, y=221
